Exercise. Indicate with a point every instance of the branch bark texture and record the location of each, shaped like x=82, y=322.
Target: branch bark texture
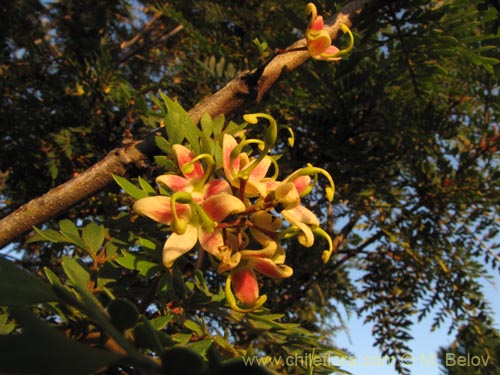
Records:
x=247, y=88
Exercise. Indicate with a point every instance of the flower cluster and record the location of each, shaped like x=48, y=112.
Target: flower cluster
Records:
x=319, y=43
x=238, y=212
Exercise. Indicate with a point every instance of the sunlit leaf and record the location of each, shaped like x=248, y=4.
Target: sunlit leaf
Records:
x=130, y=188
x=93, y=236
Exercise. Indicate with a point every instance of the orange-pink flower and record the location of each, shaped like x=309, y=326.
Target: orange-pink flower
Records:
x=243, y=281
x=319, y=43
x=239, y=168
x=193, y=210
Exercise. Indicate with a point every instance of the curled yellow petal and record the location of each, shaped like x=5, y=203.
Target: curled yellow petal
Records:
x=326, y=253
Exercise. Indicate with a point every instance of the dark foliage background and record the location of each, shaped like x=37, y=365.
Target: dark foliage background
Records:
x=407, y=125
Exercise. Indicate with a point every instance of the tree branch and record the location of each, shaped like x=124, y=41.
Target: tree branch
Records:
x=245, y=89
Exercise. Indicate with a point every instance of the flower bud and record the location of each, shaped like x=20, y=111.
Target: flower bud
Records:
x=244, y=282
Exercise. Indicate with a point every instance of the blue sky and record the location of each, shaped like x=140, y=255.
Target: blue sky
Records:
x=424, y=346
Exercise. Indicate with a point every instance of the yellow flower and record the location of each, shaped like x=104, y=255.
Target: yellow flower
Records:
x=319, y=43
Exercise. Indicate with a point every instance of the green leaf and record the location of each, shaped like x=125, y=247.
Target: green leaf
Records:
x=75, y=271
x=447, y=41
x=53, y=170
x=133, y=261
x=93, y=236
x=181, y=360
x=146, y=186
x=63, y=292
x=160, y=322
x=6, y=328
x=130, y=188
x=445, y=52
x=206, y=124
x=267, y=321
x=207, y=144
x=165, y=162
x=147, y=337
x=43, y=350
x=147, y=244
x=67, y=227
x=223, y=343
x=91, y=306
x=179, y=125
x=193, y=326
x=173, y=121
x=124, y=314
x=182, y=338
x=19, y=287
x=68, y=233
x=367, y=193
x=218, y=123
x=201, y=346
x=163, y=145
x=47, y=235
x=108, y=273
x=219, y=68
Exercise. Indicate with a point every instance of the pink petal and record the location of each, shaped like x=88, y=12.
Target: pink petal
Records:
x=271, y=184
x=184, y=156
x=302, y=218
x=270, y=269
x=228, y=145
x=159, y=209
x=178, y=245
x=228, y=261
x=317, y=24
x=211, y=242
x=260, y=171
x=265, y=227
x=254, y=187
x=286, y=194
x=301, y=214
x=318, y=46
x=220, y=206
x=318, y=41
x=331, y=50
x=174, y=182
x=301, y=183
x=216, y=187
x=244, y=283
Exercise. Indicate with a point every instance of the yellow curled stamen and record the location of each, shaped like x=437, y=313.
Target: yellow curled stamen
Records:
x=271, y=132
x=245, y=174
x=291, y=139
x=311, y=9
x=210, y=162
x=314, y=171
x=290, y=232
x=276, y=169
x=346, y=50
x=207, y=224
x=178, y=224
x=326, y=253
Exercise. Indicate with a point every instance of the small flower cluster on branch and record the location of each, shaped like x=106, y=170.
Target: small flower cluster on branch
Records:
x=237, y=211
x=319, y=43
